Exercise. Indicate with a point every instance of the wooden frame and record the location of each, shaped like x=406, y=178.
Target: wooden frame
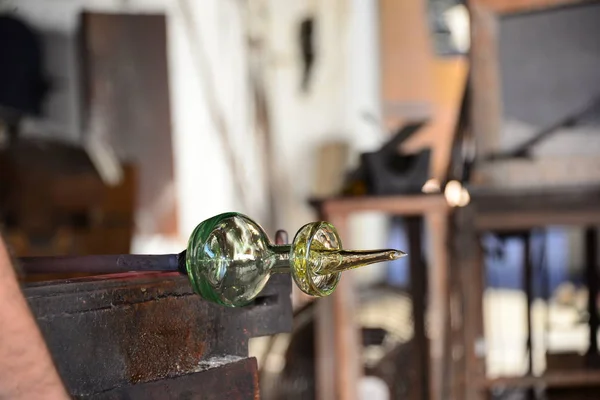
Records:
x=486, y=114
x=486, y=103
x=338, y=371
x=505, y=211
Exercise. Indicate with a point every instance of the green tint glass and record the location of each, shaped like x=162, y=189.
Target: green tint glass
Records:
x=229, y=259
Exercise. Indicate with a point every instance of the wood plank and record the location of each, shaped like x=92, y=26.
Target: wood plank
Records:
x=524, y=220
x=438, y=299
x=394, y=205
x=419, y=385
x=406, y=61
x=522, y=6
x=528, y=288
x=127, y=104
x=503, y=210
x=456, y=343
x=470, y=259
x=486, y=97
x=540, y=172
x=450, y=79
x=562, y=379
x=591, y=278
x=325, y=363
x=338, y=372
x=557, y=199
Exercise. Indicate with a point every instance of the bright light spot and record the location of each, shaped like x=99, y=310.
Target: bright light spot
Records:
x=456, y=195
x=457, y=18
x=465, y=198
x=431, y=186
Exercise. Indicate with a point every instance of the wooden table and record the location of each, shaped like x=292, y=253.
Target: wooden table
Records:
x=148, y=336
x=337, y=334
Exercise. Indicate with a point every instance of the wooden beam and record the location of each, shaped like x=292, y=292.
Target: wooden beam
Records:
x=394, y=205
x=338, y=365
x=456, y=369
x=486, y=95
x=450, y=81
x=515, y=221
x=406, y=61
x=128, y=109
x=470, y=260
x=419, y=389
x=438, y=298
x=591, y=272
x=562, y=379
x=522, y=6
x=504, y=210
x=528, y=289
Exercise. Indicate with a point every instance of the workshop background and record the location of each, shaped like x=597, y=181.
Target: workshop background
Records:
x=464, y=133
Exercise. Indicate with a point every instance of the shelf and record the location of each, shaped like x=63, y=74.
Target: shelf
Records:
x=563, y=379
x=418, y=204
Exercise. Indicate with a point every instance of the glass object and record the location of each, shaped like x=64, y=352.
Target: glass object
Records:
x=229, y=259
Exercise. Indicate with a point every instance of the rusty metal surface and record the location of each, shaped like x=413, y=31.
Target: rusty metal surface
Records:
x=115, y=331
x=228, y=380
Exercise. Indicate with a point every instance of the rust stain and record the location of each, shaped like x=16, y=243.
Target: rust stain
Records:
x=255, y=380
x=161, y=339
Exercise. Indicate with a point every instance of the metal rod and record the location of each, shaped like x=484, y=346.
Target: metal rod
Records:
x=528, y=286
x=100, y=264
x=591, y=260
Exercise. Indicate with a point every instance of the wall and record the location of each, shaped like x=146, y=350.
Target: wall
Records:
x=203, y=177
x=345, y=87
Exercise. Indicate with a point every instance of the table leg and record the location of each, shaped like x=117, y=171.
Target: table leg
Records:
x=471, y=263
x=439, y=300
x=339, y=364
x=591, y=265
x=418, y=287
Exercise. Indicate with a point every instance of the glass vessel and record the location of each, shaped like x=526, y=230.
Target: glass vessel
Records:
x=229, y=259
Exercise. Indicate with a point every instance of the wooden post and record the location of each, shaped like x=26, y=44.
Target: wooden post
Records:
x=591, y=264
x=418, y=288
x=528, y=288
x=472, y=277
x=455, y=379
x=439, y=299
x=339, y=365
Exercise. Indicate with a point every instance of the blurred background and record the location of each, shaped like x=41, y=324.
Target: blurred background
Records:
x=465, y=134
